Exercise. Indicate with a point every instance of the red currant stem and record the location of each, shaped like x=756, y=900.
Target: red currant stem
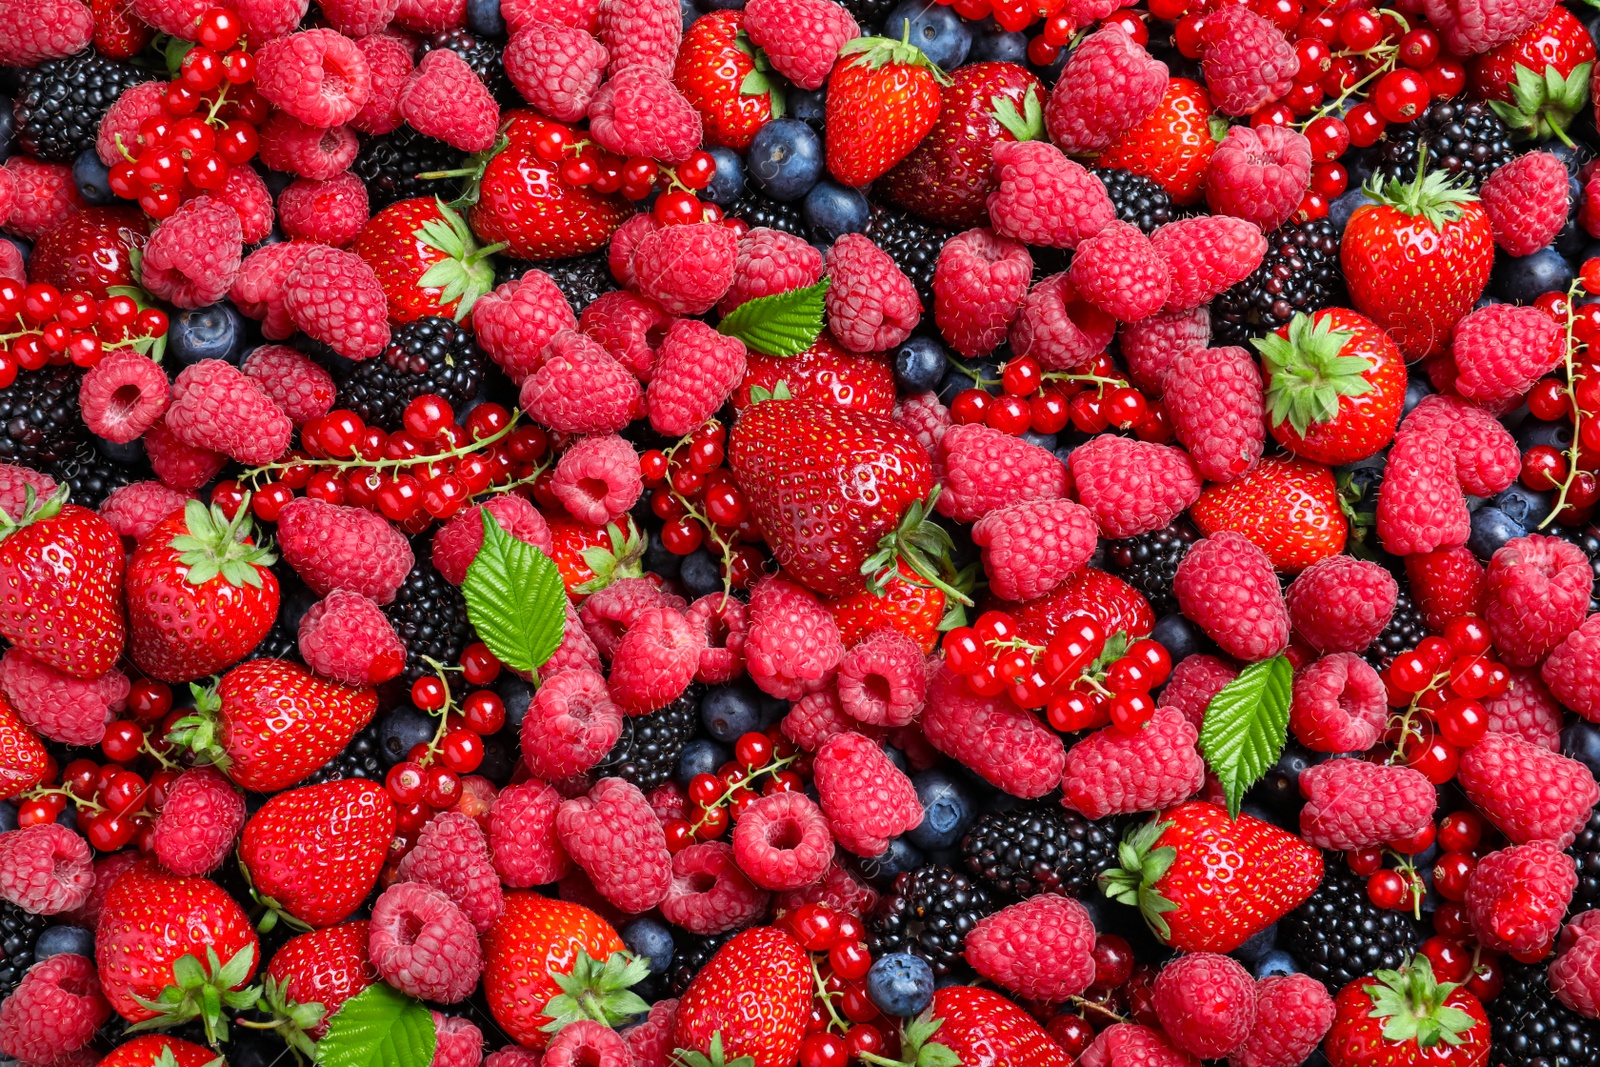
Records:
x=1089, y=1005
x=442, y=711
x=1572, y=400
x=695, y=513
x=827, y=997
x=94, y=806
x=127, y=155
x=514, y=484
x=1093, y=379
x=744, y=783
x=977, y=379
x=149, y=750
x=1406, y=729
x=1327, y=109
x=216, y=106
x=379, y=465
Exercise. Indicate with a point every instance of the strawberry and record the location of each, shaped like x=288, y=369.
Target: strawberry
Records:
x=533, y=940
x=1208, y=883
x=91, y=250
x=1335, y=386
x=906, y=604
x=160, y=1050
x=883, y=98
x=592, y=557
x=118, y=32
x=23, y=760
x=319, y=971
x=200, y=594
x=755, y=994
x=61, y=566
x=949, y=177
x=982, y=1027
x=426, y=259
x=1289, y=507
x=1173, y=146
x=1417, y=260
x=726, y=79
x=1115, y=605
x=1406, y=1018
x=312, y=855
x=826, y=372
x=269, y=723
x=1537, y=81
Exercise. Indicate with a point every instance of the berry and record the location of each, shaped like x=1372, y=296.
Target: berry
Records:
x=217, y=407
x=1214, y=401
x=1499, y=774
x=710, y=892
x=1084, y=112
x=1246, y=60
x=1340, y=604
x=866, y=798
x=333, y=547
x=871, y=305
x=54, y=1011
x=61, y=103
x=1206, y=1003
x=1352, y=804
x=430, y=356
x=319, y=76
x=194, y=256
x=347, y=638
x=570, y=725
x=883, y=679
x=927, y=913
x=640, y=113
x=1116, y=772
x=979, y=283
x=1040, y=949
x=1119, y=271
x=199, y=822
x=1537, y=592
x=334, y=297
x=1293, y=1013
x=443, y=98
x=1030, y=547
x=1044, y=198
x=695, y=371
x=1526, y=201
x=1207, y=254
x=613, y=835
x=422, y=944
x=556, y=68
x=1517, y=896
x=1502, y=350
x=986, y=469
x=1226, y=585
x=1462, y=139
x=452, y=856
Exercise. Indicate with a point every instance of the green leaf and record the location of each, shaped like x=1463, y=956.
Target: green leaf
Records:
x=515, y=599
x=1245, y=726
x=379, y=1027
x=784, y=324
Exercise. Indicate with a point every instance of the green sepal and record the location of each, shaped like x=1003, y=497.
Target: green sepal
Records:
x=203, y=992
x=759, y=81
x=35, y=510
x=1028, y=125
x=1436, y=196
x=216, y=546
x=760, y=394
x=476, y=164
x=1543, y=105
x=783, y=324
x=1115, y=646
x=623, y=559
x=874, y=53
x=713, y=1056
x=466, y=273
x=601, y=992
x=272, y=912
x=1306, y=375
x=923, y=545
x=198, y=732
x=1141, y=866
x=1412, y=1003
x=290, y=1019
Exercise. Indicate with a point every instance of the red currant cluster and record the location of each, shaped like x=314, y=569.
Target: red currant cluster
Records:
x=844, y=1024
x=1091, y=398
x=207, y=123
x=765, y=762
x=1082, y=678
x=49, y=326
x=1107, y=1000
x=1571, y=395
x=697, y=498
x=1435, y=689
x=580, y=162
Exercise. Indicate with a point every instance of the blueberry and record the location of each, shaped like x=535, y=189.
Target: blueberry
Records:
x=93, y=178
x=700, y=756
x=1345, y=205
x=8, y=816
x=1581, y=741
x=499, y=757
x=898, y=758
x=68, y=817
x=1527, y=507
x=700, y=574
x=658, y=559
x=936, y=29
x=517, y=695
x=730, y=711
x=1572, y=239
x=1522, y=279
x=724, y=5
x=919, y=364
x=405, y=726
x=1180, y=637
x=689, y=12
x=991, y=44
x=213, y=332
x=785, y=159
x=1557, y=435
x=1046, y=441
x=808, y=105
x=485, y=19
x=64, y=940
x=773, y=709
x=900, y=984
x=1275, y=962
x=1491, y=529
x=1258, y=945
x=1279, y=789
x=727, y=184
x=651, y=939
x=835, y=210
x=899, y=857
x=1417, y=389
x=947, y=810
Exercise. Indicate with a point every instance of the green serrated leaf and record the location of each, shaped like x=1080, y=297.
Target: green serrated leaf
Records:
x=784, y=324
x=515, y=599
x=379, y=1027
x=1245, y=726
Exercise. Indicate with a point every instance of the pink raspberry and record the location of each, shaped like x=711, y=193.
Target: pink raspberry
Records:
x=883, y=679
x=782, y=841
x=123, y=395
x=1110, y=772
x=246, y=194
x=1215, y=403
x=1119, y=271
x=556, y=68
x=358, y=18
x=444, y=98
x=293, y=147
x=516, y=321
x=45, y=869
x=576, y=651
x=615, y=837
x=57, y=705
x=1538, y=592
x=1150, y=345
x=1341, y=604
x=570, y=725
x=979, y=283
x=334, y=547
x=579, y=14
x=1575, y=971
x=1486, y=455
x=801, y=38
x=1246, y=60
x=725, y=621
x=301, y=389
x=1573, y=670
x=1040, y=949
x=992, y=737
x=1472, y=26
x=177, y=17
x=696, y=370
x=639, y=112
x=1260, y=175
x=924, y=417
x=45, y=194
x=121, y=122
x=687, y=268
x=1517, y=897
x=199, y=822
x=816, y=717
x=628, y=326
x=651, y=1040
x=640, y=33
x=1338, y=705
x=13, y=266
x=452, y=856
x=1195, y=680
x=772, y=261
x=1293, y=1014
x=1206, y=1003
x=610, y=613
x=597, y=480
x=319, y=77
x=178, y=465
x=1353, y=804
x=1059, y=328
x=655, y=661
x=15, y=482
x=1044, y=198
x=619, y=256
x=871, y=305
x=346, y=637
x=1526, y=710
x=1029, y=548
x=1132, y=487
x=334, y=297
x=194, y=256
x=264, y=20
x=216, y=406
x=1207, y=254
x=793, y=644
x=580, y=389
x=457, y=1042
x=54, y=1011
x=586, y=1043
x=430, y=16
x=258, y=290
x=709, y=893
x=839, y=889
x=37, y=30
x=423, y=945
x=1501, y=350
x=1108, y=86
x=456, y=544
x=1420, y=506
x=986, y=469
x=133, y=510
x=522, y=835
x=866, y=797
x=1526, y=201
x=391, y=64
x=1528, y=792
x=1226, y=585
x=330, y=212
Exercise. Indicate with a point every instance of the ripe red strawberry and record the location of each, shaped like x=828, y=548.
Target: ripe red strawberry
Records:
x=719, y=73
x=159, y=1050
x=269, y=723
x=591, y=557
x=1537, y=81
x=982, y=1027
x=755, y=993
x=1406, y=1018
x=118, y=32
x=883, y=98
x=1208, y=883
x=949, y=177
x=23, y=760
x=1416, y=261
x=200, y=594
x=90, y=250
x=426, y=259
x=1115, y=605
x=61, y=566
x=907, y=604
x=319, y=970
x=312, y=855
x=1172, y=147
x=1289, y=508
x=826, y=372
x=1335, y=386
x=533, y=937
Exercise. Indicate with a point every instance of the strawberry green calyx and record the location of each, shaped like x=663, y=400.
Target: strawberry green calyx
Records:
x=202, y=991
x=1306, y=373
x=623, y=559
x=34, y=509
x=1543, y=105
x=1024, y=125
x=713, y=1056
x=1141, y=866
x=917, y=1049
x=779, y=391
x=759, y=81
x=272, y=911
x=599, y=992
x=291, y=1020
x=466, y=273
x=1412, y=1004
x=198, y=732
x=876, y=52
x=1434, y=195
x=926, y=548
x=217, y=546
x=477, y=163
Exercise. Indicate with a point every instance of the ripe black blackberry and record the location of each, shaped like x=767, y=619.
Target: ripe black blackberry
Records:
x=93, y=475
x=647, y=752
x=869, y=13
x=758, y=209
x=282, y=642
x=431, y=355
x=913, y=245
x=1044, y=849
x=62, y=101
x=39, y=421
x=430, y=616
x=1339, y=935
x=1464, y=139
x=389, y=166
x=18, y=932
x=1150, y=561
x=1585, y=851
x=485, y=59
x=1406, y=627
x=1137, y=199
x=690, y=954
x=929, y=912
x=1300, y=272
x=582, y=279
x=1529, y=1027
x=1588, y=540
x=361, y=758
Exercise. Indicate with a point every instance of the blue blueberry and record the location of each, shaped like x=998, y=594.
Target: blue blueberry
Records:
x=1528, y=507
x=93, y=178
x=1557, y=435
x=900, y=984
x=834, y=210
x=1345, y=205
x=730, y=711
x=405, y=727
x=1276, y=962
x=1491, y=529
x=727, y=184
x=689, y=12
x=69, y=817
x=948, y=808
x=1523, y=279
x=485, y=19
x=1580, y=741
x=897, y=756
x=1258, y=945
x=919, y=364
x=658, y=559
x=1418, y=388
x=942, y=35
x=1046, y=441
x=991, y=44
x=8, y=816
x=1180, y=637
x=64, y=941
x=499, y=757
x=700, y=574
x=901, y=856
x=1279, y=789
x=701, y=756
x=651, y=939
x=785, y=159
x=517, y=695
x=808, y=105
x=213, y=332
x=724, y=5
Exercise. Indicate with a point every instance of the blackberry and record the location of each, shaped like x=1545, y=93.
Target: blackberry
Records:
x=389, y=166
x=1150, y=561
x=1467, y=140
x=282, y=642
x=1137, y=199
x=430, y=355
x=929, y=913
x=1046, y=849
x=1529, y=1027
x=1300, y=272
x=1586, y=851
x=62, y=101
x=647, y=752
x=93, y=475
x=758, y=209
x=868, y=13
x=1406, y=627
x=430, y=616
x=1339, y=935
x=582, y=279
x=1587, y=539
x=691, y=952
x=361, y=758
x=485, y=59
x=913, y=244
x=18, y=931
x=39, y=421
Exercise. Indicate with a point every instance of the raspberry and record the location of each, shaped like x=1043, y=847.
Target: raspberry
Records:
x=1573, y=670
x=346, y=637
x=1526, y=710
x=655, y=661
x=986, y=469
x=628, y=326
x=772, y=261
x=639, y=112
x=992, y=737
x=597, y=480
x=45, y=869
x=1420, y=506
x=120, y=126
x=1119, y=271
x=194, y=256
x=57, y=705
x=45, y=194
x=293, y=147
x=55, y=1010
x=580, y=389
x=1110, y=772
x=1528, y=792
x=1537, y=593
x=686, y=269
x=334, y=297
x=358, y=18
x=1195, y=680
x=36, y=30
x=333, y=547
x=871, y=305
x=1338, y=705
x=725, y=622
x=299, y=387
x=579, y=14
x=330, y=212
x=1150, y=345
x=452, y=856
x=1058, y=328
x=522, y=835
x=319, y=77
x=793, y=644
x=216, y=406
x=15, y=482
x=1472, y=26
x=430, y=16
x=1246, y=60
x=1044, y=198
x=1226, y=585
x=258, y=289
x=443, y=98
x=1206, y=1003
x=615, y=837
x=1526, y=201
x=571, y=724
x=263, y=20
x=1293, y=1014
x=816, y=717
x=709, y=893
x=1132, y=487
x=1341, y=604
x=1029, y=548
x=1260, y=175
x=883, y=679
x=1214, y=401
x=782, y=841
x=176, y=464
x=619, y=256
x=925, y=418
x=801, y=38
x=1502, y=349
x=651, y=1041
x=456, y=544
x=576, y=651
x=458, y=1042
x=1039, y=949
x=423, y=945
x=199, y=822
x=696, y=369
x=1109, y=85
x=122, y=396
x=1486, y=455
x=556, y=68
x=11, y=264
x=516, y=321
x=1133, y=1045
x=865, y=796
x=1575, y=971
x=608, y=614
x=586, y=1043
x=979, y=283
x=390, y=61
x=640, y=33
x=1517, y=896
x=1353, y=804
x=1207, y=254
x=246, y=193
